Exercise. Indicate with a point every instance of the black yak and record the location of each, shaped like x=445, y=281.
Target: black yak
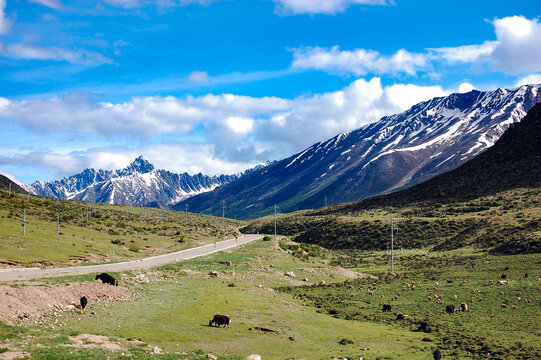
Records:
x=107, y=279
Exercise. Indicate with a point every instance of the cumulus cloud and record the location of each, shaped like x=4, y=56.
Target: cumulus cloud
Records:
x=359, y=62
x=32, y=52
x=529, y=79
x=4, y=21
x=517, y=50
x=465, y=87
x=295, y=7
x=238, y=131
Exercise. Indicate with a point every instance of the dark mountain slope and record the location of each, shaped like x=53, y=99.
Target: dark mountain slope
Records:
x=4, y=184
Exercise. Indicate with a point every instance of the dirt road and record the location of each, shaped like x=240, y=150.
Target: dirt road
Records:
x=34, y=273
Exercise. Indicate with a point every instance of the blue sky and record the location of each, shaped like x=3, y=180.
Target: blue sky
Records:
x=217, y=86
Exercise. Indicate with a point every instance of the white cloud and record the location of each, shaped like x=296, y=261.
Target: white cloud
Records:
x=233, y=132
x=359, y=62
x=405, y=96
x=465, y=87
x=466, y=53
x=53, y=4
x=32, y=52
x=5, y=24
x=517, y=50
x=294, y=7
x=529, y=79
x=199, y=77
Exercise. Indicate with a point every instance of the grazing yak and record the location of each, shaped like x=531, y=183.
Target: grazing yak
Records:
x=424, y=327
x=386, y=308
x=450, y=309
x=83, y=302
x=218, y=320
x=463, y=307
x=107, y=279
x=437, y=354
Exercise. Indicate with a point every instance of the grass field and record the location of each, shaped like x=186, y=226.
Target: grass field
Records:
x=311, y=322
x=110, y=233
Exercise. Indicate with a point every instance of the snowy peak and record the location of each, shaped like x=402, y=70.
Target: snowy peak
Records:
x=137, y=184
x=139, y=165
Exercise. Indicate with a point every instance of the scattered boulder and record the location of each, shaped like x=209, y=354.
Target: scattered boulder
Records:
x=213, y=273
x=290, y=274
x=212, y=357
x=254, y=357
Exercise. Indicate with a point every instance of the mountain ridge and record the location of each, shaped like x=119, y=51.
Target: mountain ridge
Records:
x=138, y=184
x=398, y=151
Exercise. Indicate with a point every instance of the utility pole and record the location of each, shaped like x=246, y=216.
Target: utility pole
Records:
x=392, y=243
x=24, y=221
x=223, y=216
x=274, y=222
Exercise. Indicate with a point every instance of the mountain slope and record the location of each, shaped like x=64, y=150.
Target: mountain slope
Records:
x=401, y=150
x=138, y=184
x=513, y=162
x=5, y=184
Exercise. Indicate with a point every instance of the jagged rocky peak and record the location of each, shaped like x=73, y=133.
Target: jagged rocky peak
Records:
x=139, y=165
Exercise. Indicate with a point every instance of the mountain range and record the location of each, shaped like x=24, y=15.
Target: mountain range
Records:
x=138, y=184
x=395, y=152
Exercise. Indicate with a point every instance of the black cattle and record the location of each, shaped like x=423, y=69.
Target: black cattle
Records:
x=450, y=309
x=400, y=316
x=504, y=276
x=218, y=320
x=386, y=308
x=83, y=302
x=526, y=275
x=107, y=279
x=424, y=327
x=463, y=307
x=437, y=354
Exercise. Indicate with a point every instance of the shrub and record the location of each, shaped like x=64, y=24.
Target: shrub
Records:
x=134, y=248
x=267, y=238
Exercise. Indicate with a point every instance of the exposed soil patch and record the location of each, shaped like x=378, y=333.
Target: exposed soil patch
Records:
x=86, y=341
x=338, y=270
x=36, y=301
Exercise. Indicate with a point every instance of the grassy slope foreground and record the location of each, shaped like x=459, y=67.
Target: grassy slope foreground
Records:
x=111, y=233
x=305, y=319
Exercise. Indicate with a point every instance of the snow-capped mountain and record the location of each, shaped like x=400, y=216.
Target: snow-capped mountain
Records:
x=401, y=150
x=137, y=184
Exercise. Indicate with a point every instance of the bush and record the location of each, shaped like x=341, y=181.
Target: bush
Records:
x=267, y=238
x=117, y=242
x=134, y=248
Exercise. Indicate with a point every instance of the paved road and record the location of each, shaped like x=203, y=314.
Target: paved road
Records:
x=34, y=273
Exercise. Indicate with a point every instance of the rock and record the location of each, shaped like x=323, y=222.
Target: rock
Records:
x=212, y=357
x=259, y=286
x=290, y=274
x=305, y=279
x=213, y=273
x=322, y=282
x=70, y=307
x=254, y=357
x=142, y=278
x=156, y=350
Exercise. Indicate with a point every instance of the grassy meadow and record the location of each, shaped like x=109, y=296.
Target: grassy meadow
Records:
x=111, y=232
x=325, y=311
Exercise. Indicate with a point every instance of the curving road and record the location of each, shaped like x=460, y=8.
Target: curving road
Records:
x=34, y=273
